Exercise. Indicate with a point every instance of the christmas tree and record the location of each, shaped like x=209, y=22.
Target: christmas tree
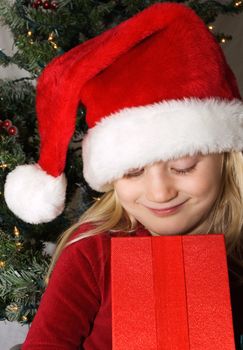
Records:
x=41, y=31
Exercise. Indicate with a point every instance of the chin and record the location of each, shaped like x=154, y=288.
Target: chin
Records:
x=165, y=232
x=177, y=231
x=173, y=225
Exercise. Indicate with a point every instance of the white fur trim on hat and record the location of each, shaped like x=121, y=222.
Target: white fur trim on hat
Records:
x=134, y=137
x=33, y=195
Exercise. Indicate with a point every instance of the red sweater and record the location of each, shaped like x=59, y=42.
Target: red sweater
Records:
x=75, y=310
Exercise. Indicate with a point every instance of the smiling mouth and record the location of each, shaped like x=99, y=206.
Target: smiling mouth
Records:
x=166, y=211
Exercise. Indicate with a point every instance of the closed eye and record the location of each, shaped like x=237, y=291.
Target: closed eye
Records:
x=184, y=171
x=134, y=173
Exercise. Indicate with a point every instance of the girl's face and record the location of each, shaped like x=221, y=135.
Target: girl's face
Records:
x=172, y=197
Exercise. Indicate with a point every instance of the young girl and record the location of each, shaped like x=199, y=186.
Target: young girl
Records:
x=164, y=144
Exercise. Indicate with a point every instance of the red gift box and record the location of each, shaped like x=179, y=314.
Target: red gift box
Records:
x=170, y=292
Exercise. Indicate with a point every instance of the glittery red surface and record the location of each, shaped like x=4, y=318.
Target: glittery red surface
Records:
x=171, y=293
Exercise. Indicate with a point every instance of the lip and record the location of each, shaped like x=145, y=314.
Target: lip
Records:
x=166, y=211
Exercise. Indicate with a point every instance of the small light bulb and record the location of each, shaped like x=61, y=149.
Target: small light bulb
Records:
x=2, y=264
x=3, y=166
x=16, y=231
x=19, y=246
x=14, y=308
x=238, y=3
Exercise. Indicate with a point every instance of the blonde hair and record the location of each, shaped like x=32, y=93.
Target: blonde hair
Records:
x=107, y=214
x=227, y=213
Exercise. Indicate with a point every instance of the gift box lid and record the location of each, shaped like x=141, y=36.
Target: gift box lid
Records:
x=171, y=292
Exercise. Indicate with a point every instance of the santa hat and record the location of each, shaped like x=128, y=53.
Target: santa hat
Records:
x=155, y=87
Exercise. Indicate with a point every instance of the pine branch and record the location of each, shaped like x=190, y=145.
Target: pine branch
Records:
x=209, y=10
x=21, y=290
x=22, y=272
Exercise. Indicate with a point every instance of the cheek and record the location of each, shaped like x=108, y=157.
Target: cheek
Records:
x=126, y=192
x=207, y=186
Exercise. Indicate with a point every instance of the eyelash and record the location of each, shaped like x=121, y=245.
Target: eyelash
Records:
x=135, y=174
x=185, y=171
x=178, y=171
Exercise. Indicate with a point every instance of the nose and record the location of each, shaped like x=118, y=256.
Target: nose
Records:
x=160, y=187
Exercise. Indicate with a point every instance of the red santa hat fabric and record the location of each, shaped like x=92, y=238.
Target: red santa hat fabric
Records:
x=155, y=87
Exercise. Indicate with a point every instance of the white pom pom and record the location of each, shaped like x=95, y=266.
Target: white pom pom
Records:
x=33, y=195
